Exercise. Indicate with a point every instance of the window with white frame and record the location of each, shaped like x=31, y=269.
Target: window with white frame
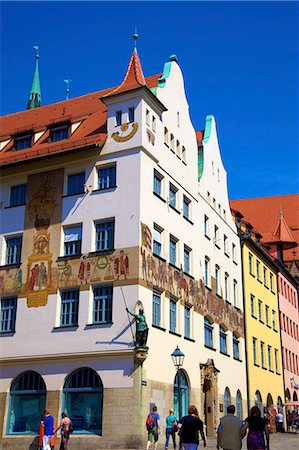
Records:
x=157, y=241
x=107, y=177
x=178, y=148
x=172, y=195
x=171, y=142
x=226, y=286
x=260, y=314
x=118, y=118
x=102, y=304
x=234, y=252
x=183, y=154
x=173, y=250
x=236, y=346
x=156, y=312
x=250, y=262
x=166, y=136
x=187, y=259
x=254, y=351
x=217, y=279
x=154, y=123
x=252, y=305
x=23, y=142
x=13, y=249
x=262, y=349
x=131, y=114
x=207, y=271
x=173, y=315
x=267, y=314
x=69, y=308
x=235, y=292
x=75, y=183
x=273, y=319
x=104, y=235
x=158, y=183
x=223, y=340
x=72, y=240
x=216, y=236
x=225, y=245
x=59, y=133
x=147, y=117
x=269, y=357
x=18, y=195
x=276, y=360
x=206, y=226
x=8, y=310
x=265, y=275
x=186, y=207
x=271, y=282
x=187, y=321
x=208, y=327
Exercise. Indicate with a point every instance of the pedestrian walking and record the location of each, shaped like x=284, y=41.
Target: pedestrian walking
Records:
x=171, y=428
x=229, y=433
x=66, y=429
x=153, y=427
x=279, y=422
x=258, y=437
x=189, y=427
x=48, y=424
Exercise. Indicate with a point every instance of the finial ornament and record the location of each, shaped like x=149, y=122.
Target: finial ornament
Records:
x=36, y=48
x=135, y=37
x=67, y=89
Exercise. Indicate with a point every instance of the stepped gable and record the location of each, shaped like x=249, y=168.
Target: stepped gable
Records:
x=88, y=110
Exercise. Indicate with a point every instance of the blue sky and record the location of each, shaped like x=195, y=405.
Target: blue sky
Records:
x=239, y=60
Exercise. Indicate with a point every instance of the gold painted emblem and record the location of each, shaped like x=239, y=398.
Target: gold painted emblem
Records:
x=124, y=127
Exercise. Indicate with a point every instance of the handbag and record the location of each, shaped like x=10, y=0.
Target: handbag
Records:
x=174, y=427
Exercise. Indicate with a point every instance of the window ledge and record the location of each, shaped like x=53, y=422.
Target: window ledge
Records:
x=218, y=295
x=238, y=359
x=189, y=339
x=14, y=206
x=269, y=326
x=261, y=321
x=226, y=254
x=174, y=209
x=7, y=333
x=66, y=258
x=273, y=292
x=235, y=262
x=158, y=327
x=109, y=189
x=101, y=252
x=89, y=326
x=254, y=317
x=159, y=196
x=66, y=327
x=267, y=287
x=159, y=257
x=189, y=275
x=271, y=370
x=174, y=266
x=225, y=354
x=228, y=302
x=218, y=246
x=252, y=274
x=10, y=266
x=276, y=331
x=174, y=333
x=208, y=288
x=210, y=348
x=188, y=220
x=256, y=365
x=184, y=162
x=208, y=237
x=260, y=281
x=72, y=195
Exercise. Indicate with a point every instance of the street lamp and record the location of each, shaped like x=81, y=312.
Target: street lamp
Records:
x=178, y=359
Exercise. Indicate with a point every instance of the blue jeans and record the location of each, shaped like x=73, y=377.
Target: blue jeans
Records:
x=169, y=433
x=189, y=446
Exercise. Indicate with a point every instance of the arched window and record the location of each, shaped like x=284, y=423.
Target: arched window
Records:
x=279, y=404
x=269, y=400
x=295, y=398
x=27, y=402
x=227, y=399
x=287, y=394
x=239, y=409
x=208, y=332
x=83, y=400
x=184, y=388
x=258, y=401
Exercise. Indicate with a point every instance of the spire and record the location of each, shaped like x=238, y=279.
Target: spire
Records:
x=134, y=77
x=67, y=88
x=282, y=234
x=35, y=98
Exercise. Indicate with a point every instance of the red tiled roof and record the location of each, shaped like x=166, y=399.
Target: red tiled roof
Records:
x=134, y=77
x=88, y=109
x=264, y=213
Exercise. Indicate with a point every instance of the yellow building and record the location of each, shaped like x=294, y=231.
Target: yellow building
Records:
x=262, y=329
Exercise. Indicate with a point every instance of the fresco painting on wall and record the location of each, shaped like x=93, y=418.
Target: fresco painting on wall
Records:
x=175, y=282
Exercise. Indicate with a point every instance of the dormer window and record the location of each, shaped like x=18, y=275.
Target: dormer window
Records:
x=22, y=142
x=60, y=133
x=118, y=118
x=131, y=114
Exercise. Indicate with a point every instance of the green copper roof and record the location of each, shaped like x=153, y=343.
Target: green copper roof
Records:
x=200, y=162
x=208, y=128
x=35, y=98
x=166, y=71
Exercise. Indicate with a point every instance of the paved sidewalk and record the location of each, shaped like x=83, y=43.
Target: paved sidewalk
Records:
x=278, y=441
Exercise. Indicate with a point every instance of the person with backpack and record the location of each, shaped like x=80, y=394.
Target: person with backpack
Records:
x=153, y=428
x=171, y=428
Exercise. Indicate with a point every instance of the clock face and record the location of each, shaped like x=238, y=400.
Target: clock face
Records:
x=124, y=127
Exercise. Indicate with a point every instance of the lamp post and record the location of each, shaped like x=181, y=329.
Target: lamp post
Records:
x=178, y=359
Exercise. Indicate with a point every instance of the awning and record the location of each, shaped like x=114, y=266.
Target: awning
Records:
x=291, y=403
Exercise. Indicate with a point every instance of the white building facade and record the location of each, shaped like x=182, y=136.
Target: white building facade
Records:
x=114, y=203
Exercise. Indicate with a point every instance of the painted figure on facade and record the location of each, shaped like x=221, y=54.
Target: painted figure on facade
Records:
x=141, y=328
x=121, y=265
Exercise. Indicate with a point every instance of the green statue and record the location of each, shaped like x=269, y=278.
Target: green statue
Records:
x=141, y=328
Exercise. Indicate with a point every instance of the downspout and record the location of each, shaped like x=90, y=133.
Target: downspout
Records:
x=244, y=313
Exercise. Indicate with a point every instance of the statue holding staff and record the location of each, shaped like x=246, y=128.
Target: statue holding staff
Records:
x=141, y=327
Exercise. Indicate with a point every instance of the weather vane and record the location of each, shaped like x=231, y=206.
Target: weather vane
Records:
x=135, y=37
x=67, y=90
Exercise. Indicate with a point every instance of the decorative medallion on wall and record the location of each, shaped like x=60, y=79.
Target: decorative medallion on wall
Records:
x=124, y=127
